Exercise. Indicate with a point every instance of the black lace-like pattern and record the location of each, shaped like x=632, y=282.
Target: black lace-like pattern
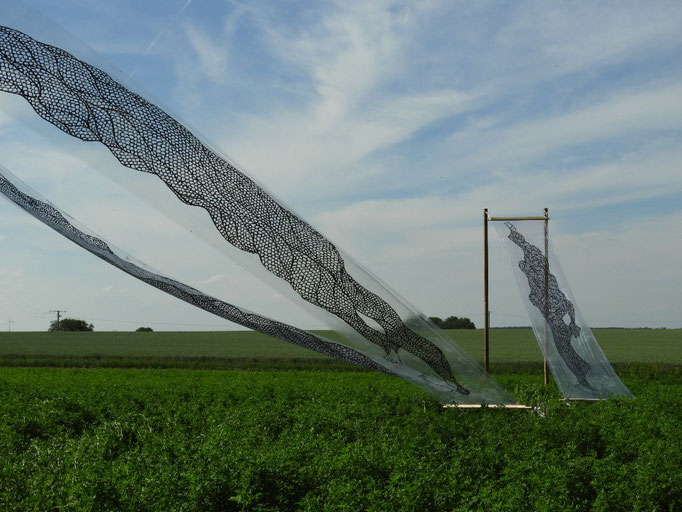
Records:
x=49, y=215
x=87, y=103
x=552, y=303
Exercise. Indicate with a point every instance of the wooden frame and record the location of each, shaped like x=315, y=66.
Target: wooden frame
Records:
x=486, y=310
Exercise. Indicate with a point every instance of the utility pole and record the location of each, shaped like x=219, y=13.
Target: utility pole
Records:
x=59, y=312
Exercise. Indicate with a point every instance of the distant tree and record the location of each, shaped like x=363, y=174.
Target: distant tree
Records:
x=144, y=329
x=70, y=324
x=453, y=322
x=436, y=320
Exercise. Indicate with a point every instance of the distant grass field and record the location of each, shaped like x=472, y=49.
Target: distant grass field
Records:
x=247, y=349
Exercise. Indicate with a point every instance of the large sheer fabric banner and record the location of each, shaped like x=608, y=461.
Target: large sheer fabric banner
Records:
x=29, y=200
x=575, y=359
x=76, y=98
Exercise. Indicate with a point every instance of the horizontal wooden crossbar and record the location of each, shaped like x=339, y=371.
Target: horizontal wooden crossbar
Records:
x=517, y=218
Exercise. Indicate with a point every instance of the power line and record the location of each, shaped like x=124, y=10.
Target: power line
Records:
x=19, y=303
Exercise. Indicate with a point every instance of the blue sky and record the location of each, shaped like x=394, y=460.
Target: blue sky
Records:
x=389, y=126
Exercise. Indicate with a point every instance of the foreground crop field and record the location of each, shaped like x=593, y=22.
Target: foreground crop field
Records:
x=113, y=438
x=108, y=439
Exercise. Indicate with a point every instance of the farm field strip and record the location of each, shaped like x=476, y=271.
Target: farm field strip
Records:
x=104, y=439
x=507, y=345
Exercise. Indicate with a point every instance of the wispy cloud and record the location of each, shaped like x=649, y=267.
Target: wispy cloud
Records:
x=627, y=114
x=361, y=99
x=212, y=56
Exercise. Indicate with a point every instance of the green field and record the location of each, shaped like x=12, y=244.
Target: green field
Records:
x=232, y=349
x=180, y=439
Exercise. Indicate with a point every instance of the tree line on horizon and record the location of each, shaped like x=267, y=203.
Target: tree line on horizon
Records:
x=77, y=325
x=70, y=324
x=453, y=322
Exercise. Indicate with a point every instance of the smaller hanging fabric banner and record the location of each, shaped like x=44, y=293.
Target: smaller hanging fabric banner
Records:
x=575, y=359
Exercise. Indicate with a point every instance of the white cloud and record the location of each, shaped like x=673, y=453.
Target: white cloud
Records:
x=350, y=56
x=574, y=36
x=212, y=56
x=657, y=109
x=630, y=276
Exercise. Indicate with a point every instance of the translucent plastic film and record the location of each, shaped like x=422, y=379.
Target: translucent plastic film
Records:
x=226, y=208
x=575, y=359
x=20, y=194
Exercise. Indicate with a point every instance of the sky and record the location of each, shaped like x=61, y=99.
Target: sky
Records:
x=389, y=126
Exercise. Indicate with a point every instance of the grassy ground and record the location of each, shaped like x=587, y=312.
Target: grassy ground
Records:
x=238, y=349
x=225, y=344
x=112, y=439
x=179, y=439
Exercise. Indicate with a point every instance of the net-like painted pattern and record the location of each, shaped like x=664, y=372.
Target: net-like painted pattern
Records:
x=557, y=310
x=51, y=216
x=87, y=103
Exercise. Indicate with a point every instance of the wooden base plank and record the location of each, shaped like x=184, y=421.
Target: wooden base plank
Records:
x=490, y=406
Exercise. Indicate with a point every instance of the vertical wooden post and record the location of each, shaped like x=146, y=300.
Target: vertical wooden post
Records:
x=545, y=369
x=486, y=312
